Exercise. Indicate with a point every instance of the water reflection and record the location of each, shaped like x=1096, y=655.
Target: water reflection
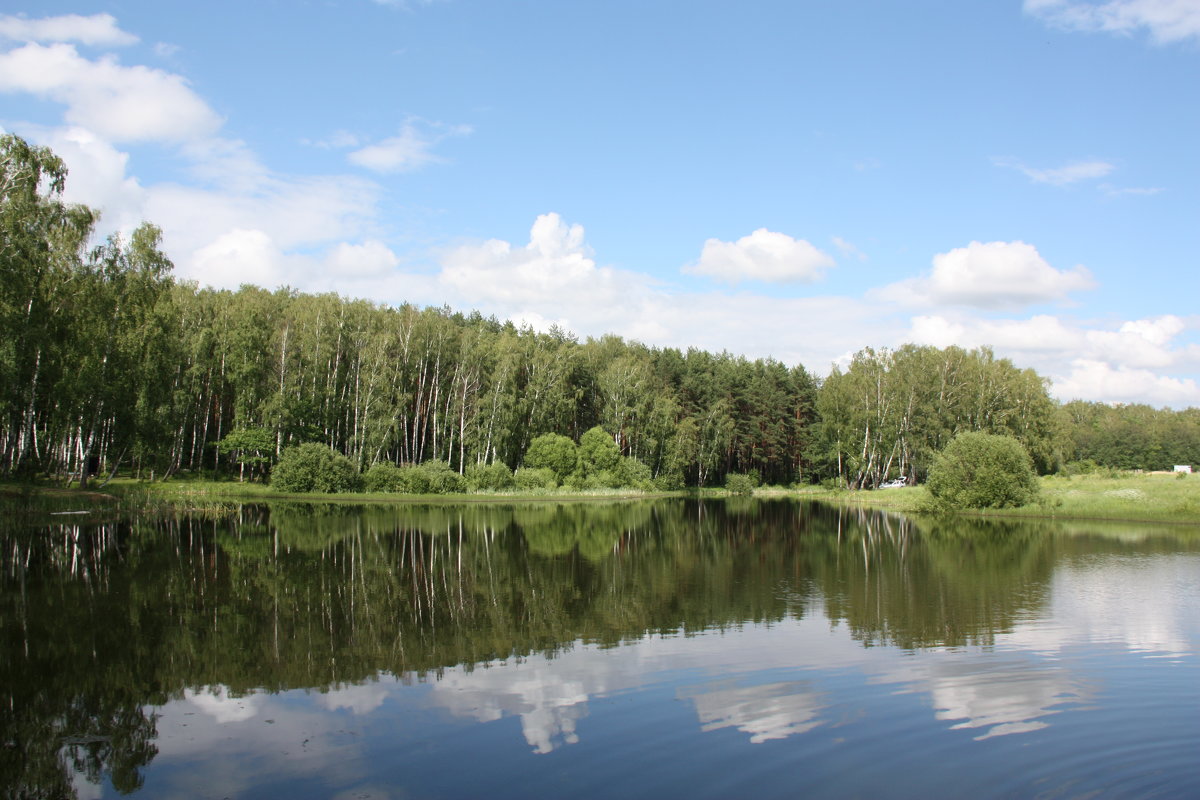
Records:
x=159, y=640
x=767, y=711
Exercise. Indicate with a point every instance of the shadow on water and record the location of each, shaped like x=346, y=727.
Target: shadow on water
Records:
x=103, y=622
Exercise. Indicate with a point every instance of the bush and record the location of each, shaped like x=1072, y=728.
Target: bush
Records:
x=597, y=452
x=529, y=478
x=384, y=477
x=441, y=478
x=981, y=470
x=554, y=452
x=315, y=468
x=413, y=480
x=669, y=481
x=736, y=483
x=632, y=473
x=489, y=477
x=604, y=479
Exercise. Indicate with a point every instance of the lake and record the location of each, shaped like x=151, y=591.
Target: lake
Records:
x=677, y=648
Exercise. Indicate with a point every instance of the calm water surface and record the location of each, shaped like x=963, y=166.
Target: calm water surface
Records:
x=666, y=649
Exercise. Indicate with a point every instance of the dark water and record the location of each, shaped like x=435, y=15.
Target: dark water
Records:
x=668, y=649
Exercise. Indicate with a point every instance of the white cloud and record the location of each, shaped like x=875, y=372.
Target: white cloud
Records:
x=98, y=176
x=763, y=255
x=1100, y=381
x=223, y=707
x=555, y=280
x=1121, y=364
x=407, y=151
x=995, y=275
x=358, y=698
x=1059, y=176
x=118, y=103
x=1166, y=20
x=555, y=270
x=765, y=711
x=293, y=212
x=369, y=259
x=237, y=257
x=98, y=30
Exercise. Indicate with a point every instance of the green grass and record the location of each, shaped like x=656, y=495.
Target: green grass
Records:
x=1126, y=496
x=191, y=491
x=1131, y=497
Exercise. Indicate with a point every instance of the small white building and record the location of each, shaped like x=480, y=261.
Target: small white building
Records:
x=1184, y=468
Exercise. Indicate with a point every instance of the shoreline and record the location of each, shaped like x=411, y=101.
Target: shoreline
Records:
x=1126, y=497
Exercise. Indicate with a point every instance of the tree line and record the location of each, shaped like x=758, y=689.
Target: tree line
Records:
x=107, y=362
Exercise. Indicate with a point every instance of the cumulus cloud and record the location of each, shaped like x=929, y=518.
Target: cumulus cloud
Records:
x=1059, y=176
x=764, y=256
x=554, y=270
x=218, y=703
x=412, y=148
x=1103, y=382
x=237, y=257
x=1121, y=363
x=98, y=175
x=765, y=711
x=118, y=103
x=98, y=30
x=1165, y=20
x=369, y=259
x=554, y=279
x=993, y=275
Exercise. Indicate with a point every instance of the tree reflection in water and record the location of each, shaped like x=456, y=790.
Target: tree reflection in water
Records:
x=102, y=623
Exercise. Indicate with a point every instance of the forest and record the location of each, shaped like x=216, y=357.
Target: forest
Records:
x=108, y=363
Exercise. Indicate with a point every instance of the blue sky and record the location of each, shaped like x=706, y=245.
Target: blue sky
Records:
x=788, y=179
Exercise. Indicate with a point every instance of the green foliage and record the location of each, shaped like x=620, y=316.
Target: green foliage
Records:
x=892, y=411
x=981, y=470
x=103, y=355
x=441, y=478
x=495, y=477
x=249, y=447
x=432, y=477
x=632, y=473
x=533, y=478
x=554, y=452
x=1127, y=437
x=384, y=476
x=739, y=484
x=314, y=468
x=597, y=452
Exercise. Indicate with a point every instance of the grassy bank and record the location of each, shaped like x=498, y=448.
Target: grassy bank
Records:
x=1132, y=497
x=1127, y=496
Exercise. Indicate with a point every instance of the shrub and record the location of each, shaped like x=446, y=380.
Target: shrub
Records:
x=413, y=480
x=598, y=452
x=554, y=452
x=529, y=478
x=631, y=472
x=604, y=479
x=982, y=470
x=315, y=468
x=494, y=477
x=441, y=478
x=384, y=477
x=669, y=481
x=736, y=483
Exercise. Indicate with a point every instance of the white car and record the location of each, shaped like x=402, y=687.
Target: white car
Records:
x=893, y=484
